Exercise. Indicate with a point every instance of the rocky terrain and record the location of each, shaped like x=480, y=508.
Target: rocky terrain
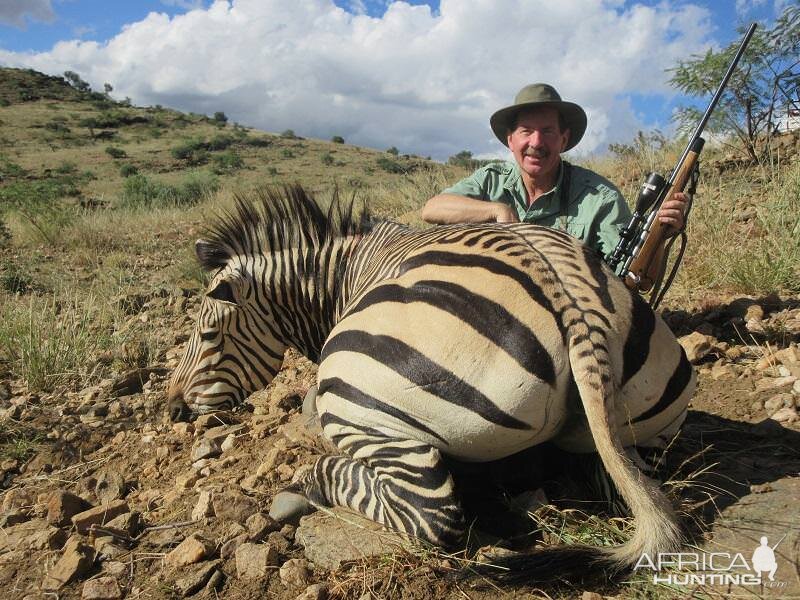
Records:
x=117, y=502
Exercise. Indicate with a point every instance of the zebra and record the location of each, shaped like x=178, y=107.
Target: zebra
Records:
x=471, y=341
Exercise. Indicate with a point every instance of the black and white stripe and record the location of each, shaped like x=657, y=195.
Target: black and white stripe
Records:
x=463, y=341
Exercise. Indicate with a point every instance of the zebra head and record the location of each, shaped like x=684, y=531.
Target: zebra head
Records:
x=236, y=347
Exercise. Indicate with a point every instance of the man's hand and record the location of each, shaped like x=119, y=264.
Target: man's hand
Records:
x=672, y=211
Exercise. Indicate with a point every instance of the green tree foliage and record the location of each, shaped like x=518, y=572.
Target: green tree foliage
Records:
x=337, y=139
x=766, y=78
x=393, y=150
x=220, y=118
x=75, y=81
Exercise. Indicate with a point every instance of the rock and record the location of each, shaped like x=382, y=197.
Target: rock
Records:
x=110, y=486
x=195, y=581
x=342, y=535
x=760, y=488
x=62, y=506
x=229, y=443
x=234, y=506
x=229, y=548
x=130, y=523
x=259, y=525
x=294, y=573
x=254, y=560
x=215, y=419
x=191, y=550
x=723, y=372
x=17, y=498
x=183, y=429
x=774, y=383
x=214, y=583
x=99, y=515
x=12, y=518
x=204, y=507
x=288, y=507
x=779, y=401
x=696, y=345
x=785, y=415
x=272, y=458
x=75, y=562
x=102, y=588
x=115, y=568
x=206, y=448
x=108, y=547
x=318, y=591
x=594, y=595
x=35, y=534
x=186, y=481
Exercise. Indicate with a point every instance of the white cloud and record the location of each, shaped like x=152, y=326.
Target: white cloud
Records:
x=424, y=82
x=14, y=12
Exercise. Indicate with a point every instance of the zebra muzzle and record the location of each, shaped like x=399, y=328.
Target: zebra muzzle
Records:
x=178, y=410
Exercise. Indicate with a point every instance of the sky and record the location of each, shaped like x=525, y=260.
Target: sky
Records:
x=421, y=76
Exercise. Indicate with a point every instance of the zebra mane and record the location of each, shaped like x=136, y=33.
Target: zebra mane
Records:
x=274, y=219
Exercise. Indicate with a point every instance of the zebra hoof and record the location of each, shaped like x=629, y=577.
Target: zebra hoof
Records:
x=288, y=507
x=310, y=402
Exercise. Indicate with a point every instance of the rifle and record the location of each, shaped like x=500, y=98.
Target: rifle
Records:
x=645, y=243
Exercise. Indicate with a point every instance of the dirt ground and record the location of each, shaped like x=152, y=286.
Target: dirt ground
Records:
x=734, y=472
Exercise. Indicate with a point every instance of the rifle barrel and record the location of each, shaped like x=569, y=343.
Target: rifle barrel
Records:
x=717, y=95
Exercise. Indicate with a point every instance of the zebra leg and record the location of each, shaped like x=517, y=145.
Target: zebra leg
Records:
x=402, y=484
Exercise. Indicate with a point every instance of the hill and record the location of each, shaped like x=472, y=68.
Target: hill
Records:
x=100, y=202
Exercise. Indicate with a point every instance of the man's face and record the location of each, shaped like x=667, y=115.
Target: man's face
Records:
x=537, y=142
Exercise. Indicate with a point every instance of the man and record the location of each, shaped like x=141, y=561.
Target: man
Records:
x=539, y=187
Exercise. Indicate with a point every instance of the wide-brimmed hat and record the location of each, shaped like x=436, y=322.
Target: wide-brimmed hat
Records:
x=538, y=95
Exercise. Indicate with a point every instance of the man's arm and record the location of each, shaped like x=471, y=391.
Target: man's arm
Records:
x=444, y=209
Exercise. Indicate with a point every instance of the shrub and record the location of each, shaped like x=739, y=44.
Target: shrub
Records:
x=140, y=191
x=272, y=171
x=258, y=142
x=286, y=153
x=219, y=142
x=327, y=158
x=393, y=150
x=337, y=139
x=289, y=134
x=127, y=170
x=114, y=152
x=220, y=117
x=390, y=166
x=227, y=162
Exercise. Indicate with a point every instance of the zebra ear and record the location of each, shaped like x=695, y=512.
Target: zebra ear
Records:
x=210, y=255
x=223, y=292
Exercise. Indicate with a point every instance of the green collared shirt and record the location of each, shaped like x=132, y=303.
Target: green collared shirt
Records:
x=595, y=208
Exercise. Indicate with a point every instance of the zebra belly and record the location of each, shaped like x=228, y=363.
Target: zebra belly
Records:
x=488, y=414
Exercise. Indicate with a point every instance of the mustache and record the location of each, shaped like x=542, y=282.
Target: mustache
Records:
x=536, y=152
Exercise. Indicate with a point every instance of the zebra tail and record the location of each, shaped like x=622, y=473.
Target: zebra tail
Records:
x=656, y=527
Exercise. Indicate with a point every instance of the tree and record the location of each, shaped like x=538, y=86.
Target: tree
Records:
x=220, y=117
x=75, y=81
x=107, y=89
x=767, y=76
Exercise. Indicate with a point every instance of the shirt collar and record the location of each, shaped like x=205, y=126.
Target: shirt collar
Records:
x=547, y=203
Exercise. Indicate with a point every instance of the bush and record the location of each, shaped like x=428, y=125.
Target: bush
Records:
x=286, y=153
x=390, y=166
x=258, y=142
x=393, y=150
x=227, y=162
x=192, y=151
x=219, y=142
x=337, y=139
x=289, y=134
x=220, y=117
x=140, y=191
x=327, y=158
x=114, y=152
x=127, y=170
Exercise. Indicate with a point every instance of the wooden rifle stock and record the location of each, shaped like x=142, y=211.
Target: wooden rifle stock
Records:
x=647, y=265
